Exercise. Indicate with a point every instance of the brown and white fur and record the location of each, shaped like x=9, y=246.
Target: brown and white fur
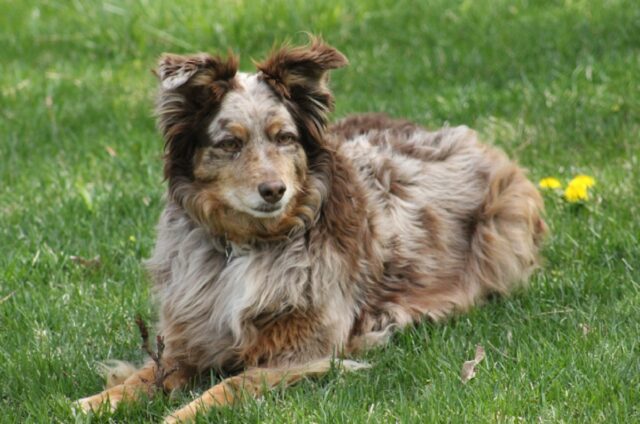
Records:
x=286, y=242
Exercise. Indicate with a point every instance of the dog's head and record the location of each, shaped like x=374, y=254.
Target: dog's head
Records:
x=239, y=146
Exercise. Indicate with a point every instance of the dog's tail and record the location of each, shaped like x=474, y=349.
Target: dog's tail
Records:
x=255, y=382
x=510, y=229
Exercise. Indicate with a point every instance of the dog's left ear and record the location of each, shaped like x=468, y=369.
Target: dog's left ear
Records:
x=299, y=75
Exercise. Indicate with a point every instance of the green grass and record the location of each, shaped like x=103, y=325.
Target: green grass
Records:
x=553, y=83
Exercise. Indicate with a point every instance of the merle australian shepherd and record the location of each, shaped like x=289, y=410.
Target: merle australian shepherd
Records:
x=286, y=241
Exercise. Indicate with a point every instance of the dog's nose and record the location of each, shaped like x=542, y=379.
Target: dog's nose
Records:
x=272, y=191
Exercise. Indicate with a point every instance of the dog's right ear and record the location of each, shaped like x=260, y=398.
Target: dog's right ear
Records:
x=191, y=89
x=180, y=72
x=175, y=70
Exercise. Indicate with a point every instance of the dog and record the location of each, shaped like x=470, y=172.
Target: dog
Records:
x=287, y=242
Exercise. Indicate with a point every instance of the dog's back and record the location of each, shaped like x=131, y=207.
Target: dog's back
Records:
x=454, y=219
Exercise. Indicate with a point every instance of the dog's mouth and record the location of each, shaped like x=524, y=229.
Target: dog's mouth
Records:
x=257, y=208
x=267, y=208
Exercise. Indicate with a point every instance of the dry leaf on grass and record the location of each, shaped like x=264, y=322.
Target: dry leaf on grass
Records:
x=111, y=151
x=469, y=367
x=89, y=263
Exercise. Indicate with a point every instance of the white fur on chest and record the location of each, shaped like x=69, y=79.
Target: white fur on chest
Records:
x=204, y=284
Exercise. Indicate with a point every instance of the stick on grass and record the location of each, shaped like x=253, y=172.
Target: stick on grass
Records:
x=161, y=372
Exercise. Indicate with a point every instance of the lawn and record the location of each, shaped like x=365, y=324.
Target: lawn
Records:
x=556, y=84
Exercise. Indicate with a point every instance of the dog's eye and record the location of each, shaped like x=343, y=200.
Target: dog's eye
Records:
x=231, y=144
x=286, y=138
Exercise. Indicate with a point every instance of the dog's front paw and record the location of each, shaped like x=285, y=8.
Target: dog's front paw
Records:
x=96, y=403
x=170, y=420
x=183, y=415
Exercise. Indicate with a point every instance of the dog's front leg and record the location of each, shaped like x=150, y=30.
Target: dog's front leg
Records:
x=254, y=382
x=224, y=393
x=144, y=382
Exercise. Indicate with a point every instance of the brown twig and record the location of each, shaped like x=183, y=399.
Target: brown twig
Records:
x=161, y=372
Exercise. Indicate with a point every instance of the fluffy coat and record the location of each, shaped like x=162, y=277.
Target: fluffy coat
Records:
x=383, y=223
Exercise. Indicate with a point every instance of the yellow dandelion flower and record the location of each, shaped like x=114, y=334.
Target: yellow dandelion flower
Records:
x=576, y=192
x=584, y=180
x=549, y=182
